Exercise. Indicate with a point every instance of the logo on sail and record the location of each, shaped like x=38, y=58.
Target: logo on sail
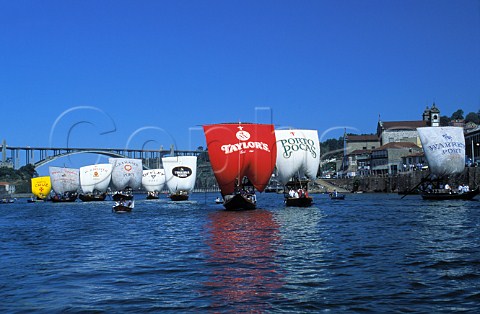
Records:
x=181, y=172
x=292, y=145
x=448, y=147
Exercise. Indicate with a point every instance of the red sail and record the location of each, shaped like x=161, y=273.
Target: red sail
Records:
x=241, y=149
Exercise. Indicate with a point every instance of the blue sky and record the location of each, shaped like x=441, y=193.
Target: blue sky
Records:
x=150, y=73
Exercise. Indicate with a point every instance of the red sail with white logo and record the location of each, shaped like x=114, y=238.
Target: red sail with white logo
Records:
x=241, y=149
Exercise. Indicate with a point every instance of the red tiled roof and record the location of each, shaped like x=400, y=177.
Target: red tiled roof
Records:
x=403, y=125
x=362, y=138
x=397, y=145
x=360, y=151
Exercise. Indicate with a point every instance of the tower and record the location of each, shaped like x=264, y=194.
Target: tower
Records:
x=432, y=116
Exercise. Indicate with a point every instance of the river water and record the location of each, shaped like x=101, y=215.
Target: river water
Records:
x=369, y=252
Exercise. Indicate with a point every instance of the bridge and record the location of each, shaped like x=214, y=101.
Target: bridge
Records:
x=39, y=156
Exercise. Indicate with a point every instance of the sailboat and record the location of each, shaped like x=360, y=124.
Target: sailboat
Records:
x=444, y=149
x=153, y=181
x=94, y=181
x=242, y=156
x=126, y=176
x=65, y=183
x=180, y=176
x=41, y=187
x=298, y=156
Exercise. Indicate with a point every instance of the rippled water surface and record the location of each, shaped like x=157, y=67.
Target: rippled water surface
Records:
x=369, y=252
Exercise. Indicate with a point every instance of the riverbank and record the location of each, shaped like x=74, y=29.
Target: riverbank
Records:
x=399, y=183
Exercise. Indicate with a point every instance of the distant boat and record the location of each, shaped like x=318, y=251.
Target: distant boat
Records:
x=242, y=156
x=180, y=176
x=298, y=156
x=41, y=187
x=94, y=182
x=65, y=184
x=153, y=181
x=444, y=149
x=8, y=200
x=126, y=177
x=336, y=196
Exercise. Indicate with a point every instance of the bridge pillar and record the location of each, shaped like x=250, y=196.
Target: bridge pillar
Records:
x=4, y=151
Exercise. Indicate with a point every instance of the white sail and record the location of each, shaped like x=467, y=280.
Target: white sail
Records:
x=126, y=172
x=64, y=179
x=153, y=180
x=95, y=177
x=444, y=149
x=298, y=153
x=180, y=173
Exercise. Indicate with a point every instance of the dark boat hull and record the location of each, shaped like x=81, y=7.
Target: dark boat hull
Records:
x=239, y=202
x=179, y=197
x=122, y=196
x=299, y=201
x=92, y=197
x=64, y=199
x=451, y=196
x=121, y=209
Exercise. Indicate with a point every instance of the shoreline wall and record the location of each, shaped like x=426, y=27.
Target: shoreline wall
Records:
x=402, y=182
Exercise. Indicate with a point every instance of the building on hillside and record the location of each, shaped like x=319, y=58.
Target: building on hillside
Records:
x=472, y=146
x=362, y=142
x=384, y=152
x=6, y=188
x=387, y=159
x=359, y=162
x=399, y=131
x=414, y=161
x=406, y=131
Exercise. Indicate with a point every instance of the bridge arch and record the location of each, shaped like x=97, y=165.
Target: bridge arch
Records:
x=49, y=159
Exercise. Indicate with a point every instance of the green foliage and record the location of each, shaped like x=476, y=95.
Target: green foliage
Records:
x=444, y=121
x=332, y=147
x=457, y=115
x=21, y=177
x=473, y=117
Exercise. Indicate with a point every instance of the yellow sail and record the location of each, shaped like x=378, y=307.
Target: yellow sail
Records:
x=41, y=187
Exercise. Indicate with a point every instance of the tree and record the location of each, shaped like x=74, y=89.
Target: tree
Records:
x=472, y=117
x=444, y=121
x=457, y=115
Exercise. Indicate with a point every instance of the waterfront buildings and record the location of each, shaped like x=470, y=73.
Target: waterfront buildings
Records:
x=394, y=148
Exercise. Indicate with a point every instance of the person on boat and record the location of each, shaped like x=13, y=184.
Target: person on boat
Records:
x=461, y=188
x=430, y=188
x=305, y=192
x=291, y=193
x=448, y=188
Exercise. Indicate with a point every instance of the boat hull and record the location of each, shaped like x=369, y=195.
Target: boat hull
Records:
x=64, y=199
x=451, y=196
x=299, y=201
x=239, y=202
x=92, y=197
x=122, y=209
x=337, y=197
x=122, y=196
x=179, y=197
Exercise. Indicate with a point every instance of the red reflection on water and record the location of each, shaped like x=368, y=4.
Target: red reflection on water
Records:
x=242, y=257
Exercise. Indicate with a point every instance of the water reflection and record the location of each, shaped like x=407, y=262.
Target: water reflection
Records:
x=242, y=258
